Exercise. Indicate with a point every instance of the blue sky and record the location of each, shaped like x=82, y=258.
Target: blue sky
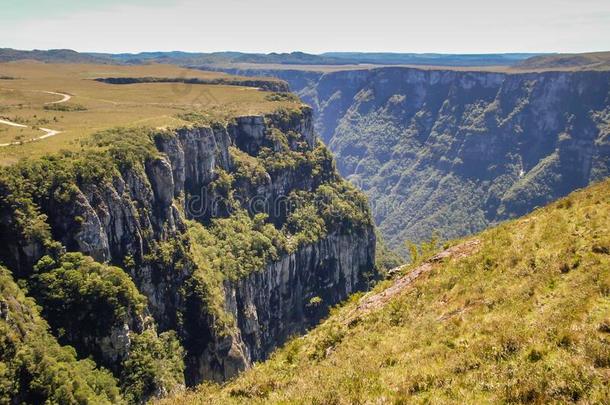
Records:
x=465, y=26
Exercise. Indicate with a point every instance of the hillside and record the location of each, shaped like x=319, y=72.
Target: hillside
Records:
x=456, y=151
x=576, y=61
x=522, y=315
x=51, y=56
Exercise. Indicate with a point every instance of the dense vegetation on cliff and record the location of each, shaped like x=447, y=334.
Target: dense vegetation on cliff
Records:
x=83, y=300
x=522, y=318
x=34, y=367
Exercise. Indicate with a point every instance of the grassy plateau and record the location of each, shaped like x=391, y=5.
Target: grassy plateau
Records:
x=31, y=94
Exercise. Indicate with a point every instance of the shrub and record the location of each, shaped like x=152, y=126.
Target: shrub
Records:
x=154, y=368
x=65, y=107
x=282, y=97
x=83, y=299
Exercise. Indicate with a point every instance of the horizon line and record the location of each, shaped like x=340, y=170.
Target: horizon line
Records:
x=300, y=51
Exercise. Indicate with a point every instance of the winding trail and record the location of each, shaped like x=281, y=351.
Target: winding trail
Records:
x=13, y=124
x=47, y=132
x=65, y=98
x=371, y=302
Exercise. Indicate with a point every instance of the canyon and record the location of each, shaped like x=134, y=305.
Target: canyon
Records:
x=202, y=223
x=454, y=151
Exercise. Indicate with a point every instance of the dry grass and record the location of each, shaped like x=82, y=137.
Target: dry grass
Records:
x=147, y=104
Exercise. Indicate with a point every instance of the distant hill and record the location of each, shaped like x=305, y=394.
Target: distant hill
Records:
x=577, y=61
x=53, y=56
x=293, y=58
x=519, y=61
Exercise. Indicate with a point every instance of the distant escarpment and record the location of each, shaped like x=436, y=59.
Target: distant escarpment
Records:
x=170, y=257
x=456, y=151
x=266, y=85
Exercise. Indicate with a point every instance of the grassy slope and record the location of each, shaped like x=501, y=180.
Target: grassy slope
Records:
x=575, y=61
x=524, y=319
x=22, y=99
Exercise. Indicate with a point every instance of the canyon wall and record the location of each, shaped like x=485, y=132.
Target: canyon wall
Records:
x=131, y=205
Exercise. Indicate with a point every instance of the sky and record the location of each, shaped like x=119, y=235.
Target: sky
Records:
x=314, y=26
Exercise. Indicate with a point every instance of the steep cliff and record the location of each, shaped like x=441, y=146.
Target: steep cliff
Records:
x=288, y=296
x=456, y=151
x=236, y=236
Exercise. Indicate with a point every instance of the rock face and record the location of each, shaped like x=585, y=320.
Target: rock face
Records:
x=458, y=151
x=330, y=270
x=284, y=299
x=134, y=218
x=124, y=220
